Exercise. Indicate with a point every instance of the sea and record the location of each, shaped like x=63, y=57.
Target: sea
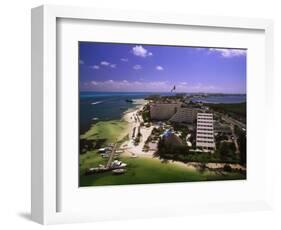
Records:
x=104, y=106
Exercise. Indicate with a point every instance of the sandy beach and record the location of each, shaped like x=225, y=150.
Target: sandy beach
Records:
x=134, y=120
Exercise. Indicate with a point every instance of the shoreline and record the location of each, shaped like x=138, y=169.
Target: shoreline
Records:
x=125, y=116
x=190, y=165
x=129, y=116
x=140, y=103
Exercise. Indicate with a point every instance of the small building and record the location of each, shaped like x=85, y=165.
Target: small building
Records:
x=171, y=138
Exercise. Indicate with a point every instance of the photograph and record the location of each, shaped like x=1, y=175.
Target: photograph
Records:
x=151, y=113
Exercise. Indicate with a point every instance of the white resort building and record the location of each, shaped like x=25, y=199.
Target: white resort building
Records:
x=173, y=112
x=163, y=111
x=187, y=115
x=205, y=131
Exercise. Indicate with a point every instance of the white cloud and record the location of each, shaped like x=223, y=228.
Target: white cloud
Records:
x=81, y=62
x=144, y=86
x=159, y=68
x=105, y=63
x=108, y=64
x=94, y=83
x=126, y=86
x=124, y=59
x=198, y=87
x=137, y=67
x=228, y=53
x=139, y=51
x=94, y=67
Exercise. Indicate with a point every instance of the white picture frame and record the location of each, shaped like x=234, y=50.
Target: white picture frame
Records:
x=45, y=167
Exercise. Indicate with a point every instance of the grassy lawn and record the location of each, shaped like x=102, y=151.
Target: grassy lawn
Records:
x=89, y=160
x=111, y=131
x=147, y=171
x=103, y=132
x=139, y=170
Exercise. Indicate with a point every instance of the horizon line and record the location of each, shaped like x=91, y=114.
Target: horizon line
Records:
x=158, y=92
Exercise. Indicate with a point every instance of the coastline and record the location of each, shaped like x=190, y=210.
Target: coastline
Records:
x=129, y=113
x=123, y=131
x=125, y=117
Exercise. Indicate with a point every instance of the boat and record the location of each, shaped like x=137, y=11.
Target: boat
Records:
x=129, y=100
x=118, y=164
x=96, y=102
x=118, y=171
x=98, y=169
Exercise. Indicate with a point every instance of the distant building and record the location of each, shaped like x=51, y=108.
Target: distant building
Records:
x=163, y=111
x=187, y=100
x=187, y=115
x=205, y=131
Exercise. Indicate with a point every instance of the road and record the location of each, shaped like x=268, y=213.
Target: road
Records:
x=235, y=139
x=111, y=157
x=233, y=121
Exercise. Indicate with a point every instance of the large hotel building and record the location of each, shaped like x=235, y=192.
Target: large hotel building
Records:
x=163, y=111
x=205, y=131
x=173, y=112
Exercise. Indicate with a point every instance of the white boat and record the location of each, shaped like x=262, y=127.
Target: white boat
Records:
x=102, y=150
x=96, y=102
x=118, y=164
x=119, y=171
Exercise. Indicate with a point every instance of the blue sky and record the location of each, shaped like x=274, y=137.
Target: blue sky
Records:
x=152, y=68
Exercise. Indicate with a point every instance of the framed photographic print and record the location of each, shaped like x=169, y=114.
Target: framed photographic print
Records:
x=159, y=114
x=142, y=114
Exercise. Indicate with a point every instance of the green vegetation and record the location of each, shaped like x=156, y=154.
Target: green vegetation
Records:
x=98, y=136
x=146, y=113
x=102, y=133
x=242, y=142
x=236, y=108
x=225, y=153
x=182, y=129
x=89, y=160
x=146, y=171
x=153, y=97
x=110, y=131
